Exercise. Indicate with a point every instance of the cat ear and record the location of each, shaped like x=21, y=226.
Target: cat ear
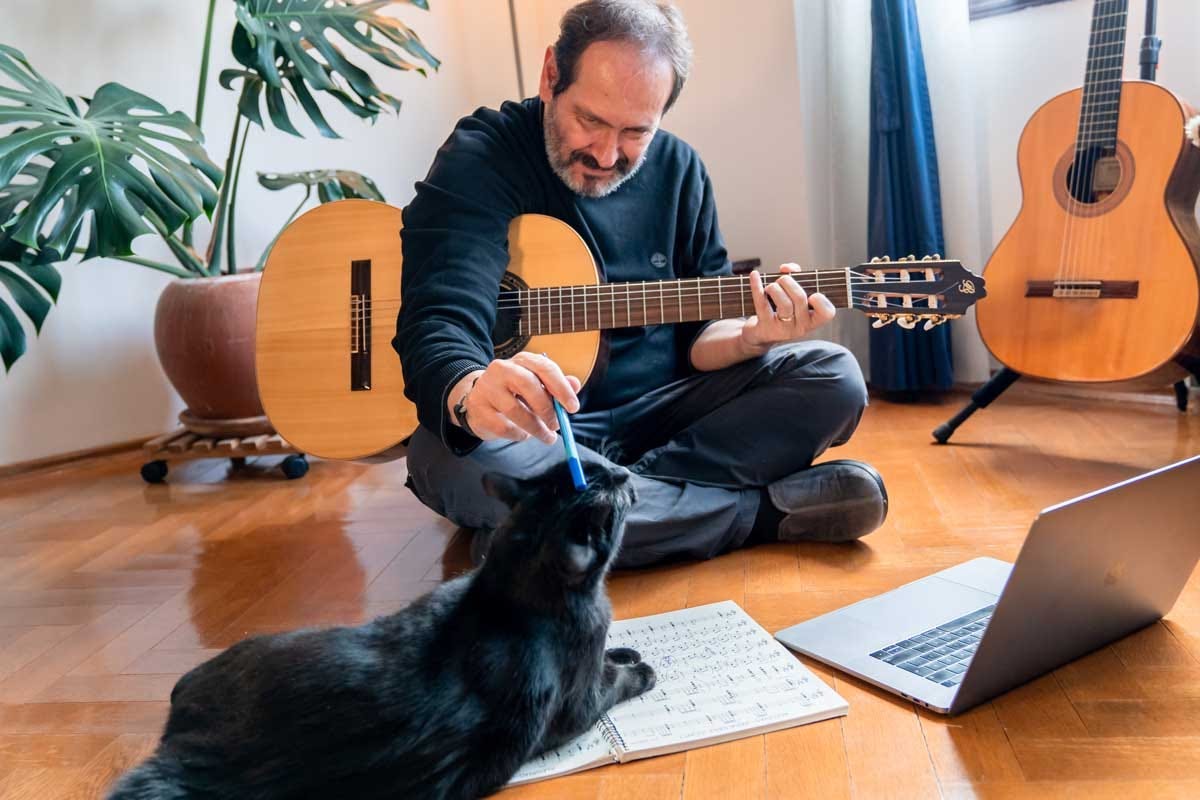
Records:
x=505, y=488
x=623, y=480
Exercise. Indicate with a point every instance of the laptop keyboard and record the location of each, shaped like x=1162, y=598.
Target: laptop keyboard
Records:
x=940, y=654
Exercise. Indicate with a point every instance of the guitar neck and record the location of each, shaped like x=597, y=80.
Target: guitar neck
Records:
x=1100, y=108
x=566, y=309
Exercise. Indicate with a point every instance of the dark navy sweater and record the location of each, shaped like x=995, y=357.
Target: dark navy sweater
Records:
x=660, y=224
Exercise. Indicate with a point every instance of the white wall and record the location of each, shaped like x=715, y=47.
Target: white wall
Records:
x=834, y=60
x=784, y=142
x=740, y=110
x=92, y=377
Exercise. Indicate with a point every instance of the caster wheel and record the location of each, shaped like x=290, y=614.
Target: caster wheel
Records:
x=294, y=467
x=238, y=462
x=154, y=471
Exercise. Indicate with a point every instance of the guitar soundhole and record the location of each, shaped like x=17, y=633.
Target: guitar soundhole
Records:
x=505, y=337
x=1092, y=181
x=1094, y=175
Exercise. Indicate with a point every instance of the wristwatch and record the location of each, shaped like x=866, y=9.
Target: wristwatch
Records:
x=460, y=410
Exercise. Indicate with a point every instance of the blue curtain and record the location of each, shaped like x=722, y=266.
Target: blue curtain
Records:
x=905, y=212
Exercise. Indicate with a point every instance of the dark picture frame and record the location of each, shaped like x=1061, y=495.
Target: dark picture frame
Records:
x=979, y=9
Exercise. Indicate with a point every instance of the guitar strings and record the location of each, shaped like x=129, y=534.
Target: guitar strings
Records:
x=1067, y=249
x=1094, y=231
x=1076, y=248
x=708, y=298
x=685, y=289
x=1101, y=96
x=550, y=307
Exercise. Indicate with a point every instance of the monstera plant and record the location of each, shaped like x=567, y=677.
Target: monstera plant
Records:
x=85, y=177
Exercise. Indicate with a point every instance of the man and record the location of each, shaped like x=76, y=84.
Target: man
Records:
x=719, y=422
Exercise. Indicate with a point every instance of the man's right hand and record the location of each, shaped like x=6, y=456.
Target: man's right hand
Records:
x=511, y=398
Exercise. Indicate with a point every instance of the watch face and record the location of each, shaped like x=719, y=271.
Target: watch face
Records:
x=460, y=409
x=460, y=415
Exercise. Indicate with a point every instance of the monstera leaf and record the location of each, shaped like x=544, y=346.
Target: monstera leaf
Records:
x=33, y=285
x=276, y=41
x=331, y=184
x=108, y=162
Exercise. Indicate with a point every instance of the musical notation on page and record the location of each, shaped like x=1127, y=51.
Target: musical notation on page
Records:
x=586, y=751
x=719, y=676
x=718, y=672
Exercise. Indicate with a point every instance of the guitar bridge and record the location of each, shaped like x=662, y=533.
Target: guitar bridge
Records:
x=360, y=325
x=1083, y=289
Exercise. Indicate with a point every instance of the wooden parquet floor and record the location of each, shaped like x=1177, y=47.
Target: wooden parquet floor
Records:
x=110, y=589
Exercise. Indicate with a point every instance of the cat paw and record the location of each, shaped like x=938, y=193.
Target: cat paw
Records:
x=623, y=655
x=645, y=677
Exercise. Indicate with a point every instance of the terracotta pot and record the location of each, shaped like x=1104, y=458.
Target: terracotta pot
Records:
x=204, y=333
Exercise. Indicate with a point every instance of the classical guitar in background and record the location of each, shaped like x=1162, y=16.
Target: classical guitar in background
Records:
x=331, y=382
x=1097, y=279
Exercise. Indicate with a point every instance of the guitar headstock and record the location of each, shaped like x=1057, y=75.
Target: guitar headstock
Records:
x=906, y=291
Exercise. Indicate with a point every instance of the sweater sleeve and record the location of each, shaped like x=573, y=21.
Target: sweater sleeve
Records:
x=707, y=256
x=455, y=251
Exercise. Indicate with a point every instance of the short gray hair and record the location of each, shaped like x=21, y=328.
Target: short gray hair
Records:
x=654, y=25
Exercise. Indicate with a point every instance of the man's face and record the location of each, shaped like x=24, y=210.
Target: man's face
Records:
x=598, y=130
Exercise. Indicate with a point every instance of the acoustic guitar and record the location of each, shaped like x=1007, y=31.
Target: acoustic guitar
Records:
x=332, y=385
x=1097, y=278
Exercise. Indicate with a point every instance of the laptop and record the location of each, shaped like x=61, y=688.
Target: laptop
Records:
x=1092, y=570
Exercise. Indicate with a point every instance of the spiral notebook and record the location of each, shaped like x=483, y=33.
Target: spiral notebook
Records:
x=720, y=677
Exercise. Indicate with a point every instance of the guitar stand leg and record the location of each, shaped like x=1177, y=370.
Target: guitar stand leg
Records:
x=981, y=399
x=1181, y=395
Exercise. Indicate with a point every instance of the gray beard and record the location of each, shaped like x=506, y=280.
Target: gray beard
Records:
x=562, y=166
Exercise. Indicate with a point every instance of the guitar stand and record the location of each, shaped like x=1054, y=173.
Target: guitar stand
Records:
x=996, y=386
x=1005, y=378
x=981, y=399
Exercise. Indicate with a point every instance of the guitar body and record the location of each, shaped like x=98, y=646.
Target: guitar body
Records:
x=309, y=326
x=1140, y=239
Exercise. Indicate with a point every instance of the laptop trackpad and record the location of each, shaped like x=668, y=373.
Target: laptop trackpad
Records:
x=919, y=606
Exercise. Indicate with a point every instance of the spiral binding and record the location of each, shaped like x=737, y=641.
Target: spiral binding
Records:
x=611, y=735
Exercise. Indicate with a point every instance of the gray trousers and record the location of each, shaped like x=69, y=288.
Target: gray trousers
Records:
x=701, y=449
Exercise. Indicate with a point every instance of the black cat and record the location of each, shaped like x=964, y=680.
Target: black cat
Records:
x=445, y=699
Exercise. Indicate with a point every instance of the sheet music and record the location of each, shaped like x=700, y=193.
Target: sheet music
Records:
x=589, y=750
x=718, y=673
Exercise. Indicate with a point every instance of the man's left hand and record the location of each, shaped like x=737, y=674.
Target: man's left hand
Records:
x=796, y=313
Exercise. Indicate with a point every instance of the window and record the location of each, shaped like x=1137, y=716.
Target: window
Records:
x=990, y=8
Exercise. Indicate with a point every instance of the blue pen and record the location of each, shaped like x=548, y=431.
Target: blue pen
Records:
x=564, y=427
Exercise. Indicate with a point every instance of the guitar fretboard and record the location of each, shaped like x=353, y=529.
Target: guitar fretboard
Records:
x=1101, y=106
x=565, y=309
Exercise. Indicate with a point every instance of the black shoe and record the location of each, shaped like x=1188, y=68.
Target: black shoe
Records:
x=481, y=541
x=837, y=501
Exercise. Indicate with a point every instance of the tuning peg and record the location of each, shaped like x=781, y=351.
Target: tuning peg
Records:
x=882, y=320
x=876, y=260
x=927, y=258
x=933, y=321
x=909, y=257
x=907, y=321
x=937, y=257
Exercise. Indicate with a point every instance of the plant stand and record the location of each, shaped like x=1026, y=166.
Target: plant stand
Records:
x=183, y=445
